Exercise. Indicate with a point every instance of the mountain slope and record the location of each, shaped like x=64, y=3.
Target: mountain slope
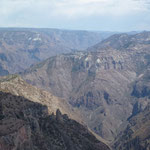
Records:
x=26, y=125
x=137, y=134
x=17, y=86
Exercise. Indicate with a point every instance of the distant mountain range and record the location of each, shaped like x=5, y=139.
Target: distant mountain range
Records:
x=21, y=47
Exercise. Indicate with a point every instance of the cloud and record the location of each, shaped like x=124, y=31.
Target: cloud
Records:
x=73, y=8
x=81, y=8
x=53, y=12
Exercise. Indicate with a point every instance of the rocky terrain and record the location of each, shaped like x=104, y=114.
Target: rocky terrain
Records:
x=20, y=48
x=88, y=84
x=101, y=83
x=30, y=119
x=107, y=88
x=137, y=134
x=15, y=85
x=26, y=125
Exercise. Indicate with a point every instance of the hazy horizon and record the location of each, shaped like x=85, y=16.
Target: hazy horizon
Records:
x=92, y=15
x=89, y=30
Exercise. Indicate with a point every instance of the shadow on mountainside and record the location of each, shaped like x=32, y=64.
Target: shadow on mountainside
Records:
x=26, y=125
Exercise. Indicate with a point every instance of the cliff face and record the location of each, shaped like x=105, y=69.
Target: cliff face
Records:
x=27, y=125
x=98, y=83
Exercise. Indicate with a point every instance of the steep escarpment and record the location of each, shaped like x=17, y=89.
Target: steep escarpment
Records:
x=27, y=125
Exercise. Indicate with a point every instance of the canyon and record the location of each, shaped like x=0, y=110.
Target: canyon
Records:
x=104, y=87
x=105, y=84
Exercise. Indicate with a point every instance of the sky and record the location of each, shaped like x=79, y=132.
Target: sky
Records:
x=96, y=15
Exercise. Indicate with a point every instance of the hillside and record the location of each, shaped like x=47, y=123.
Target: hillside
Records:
x=26, y=125
x=15, y=85
x=31, y=118
x=137, y=134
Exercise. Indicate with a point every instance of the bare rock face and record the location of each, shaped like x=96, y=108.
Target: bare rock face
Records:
x=27, y=125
